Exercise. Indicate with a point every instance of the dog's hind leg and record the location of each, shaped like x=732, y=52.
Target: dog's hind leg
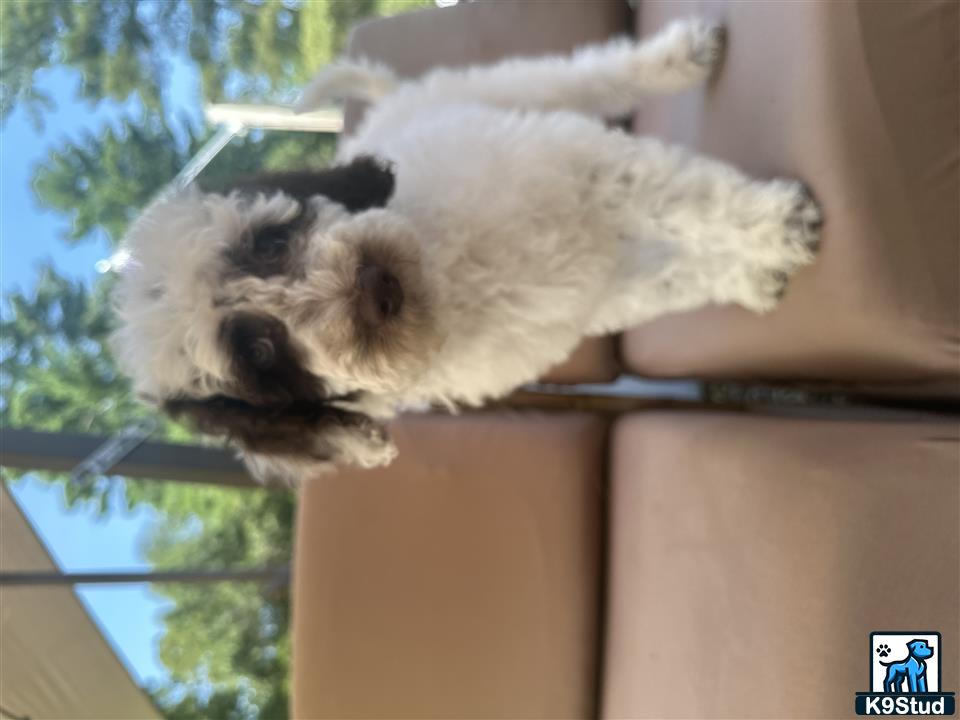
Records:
x=720, y=236
x=607, y=80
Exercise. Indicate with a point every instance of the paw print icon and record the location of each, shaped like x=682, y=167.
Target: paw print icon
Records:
x=883, y=650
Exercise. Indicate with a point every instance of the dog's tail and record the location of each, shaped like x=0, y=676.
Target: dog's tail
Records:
x=360, y=79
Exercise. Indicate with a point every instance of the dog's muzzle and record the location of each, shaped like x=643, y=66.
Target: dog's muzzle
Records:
x=380, y=295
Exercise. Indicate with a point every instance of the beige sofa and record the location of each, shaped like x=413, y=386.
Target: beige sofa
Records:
x=694, y=562
x=859, y=98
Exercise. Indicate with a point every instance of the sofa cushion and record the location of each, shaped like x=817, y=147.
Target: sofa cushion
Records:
x=750, y=559
x=860, y=99
x=461, y=581
x=484, y=32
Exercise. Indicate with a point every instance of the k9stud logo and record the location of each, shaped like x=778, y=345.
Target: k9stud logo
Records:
x=905, y=676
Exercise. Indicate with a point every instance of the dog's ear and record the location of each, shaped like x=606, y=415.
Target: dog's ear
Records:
x=289, y=443
x=364, y=183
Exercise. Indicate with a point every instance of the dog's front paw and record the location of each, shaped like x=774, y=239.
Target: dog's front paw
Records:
x=804, y=222
x=764, y=289
x=780, y=226
x=698, y=47
x=682, y=55
x=708, y=44
x=799, y=244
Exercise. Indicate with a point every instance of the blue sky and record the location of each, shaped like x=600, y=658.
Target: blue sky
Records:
x=129, y=615
x=28, y=234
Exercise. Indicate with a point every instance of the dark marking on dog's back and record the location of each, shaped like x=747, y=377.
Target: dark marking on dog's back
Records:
x=364, y=183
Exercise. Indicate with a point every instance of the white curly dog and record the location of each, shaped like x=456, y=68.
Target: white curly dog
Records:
x=479, y=224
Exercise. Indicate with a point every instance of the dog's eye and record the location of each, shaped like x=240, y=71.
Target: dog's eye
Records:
x=261, y=353
x=270, y=243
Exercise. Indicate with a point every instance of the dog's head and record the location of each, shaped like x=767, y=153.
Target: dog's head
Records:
x=920, y=649
x=280, y=313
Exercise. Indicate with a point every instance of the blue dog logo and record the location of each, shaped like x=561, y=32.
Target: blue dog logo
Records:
x=912, y=669
x=910, y=686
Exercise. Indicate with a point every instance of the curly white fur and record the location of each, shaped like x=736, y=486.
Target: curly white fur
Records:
x=519, y=221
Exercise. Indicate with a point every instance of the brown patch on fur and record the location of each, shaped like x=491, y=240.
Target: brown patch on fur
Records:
x=407, y=332
x=275, y=405
x=267, y=368
x=293, y=429
x=271, y=249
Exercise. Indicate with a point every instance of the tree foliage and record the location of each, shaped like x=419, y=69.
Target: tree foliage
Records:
x=101, y=182
x=106, y=40
x=56, y=373
x=249, y=661
x=243, y=48
x=226, y=646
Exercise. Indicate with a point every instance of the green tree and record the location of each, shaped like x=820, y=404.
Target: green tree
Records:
x=243, y=48
x=106, y=40
x=100, y=183
x=250, y=657
x=56, y=372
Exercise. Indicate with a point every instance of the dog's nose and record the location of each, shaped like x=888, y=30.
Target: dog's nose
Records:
x=381, y=296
